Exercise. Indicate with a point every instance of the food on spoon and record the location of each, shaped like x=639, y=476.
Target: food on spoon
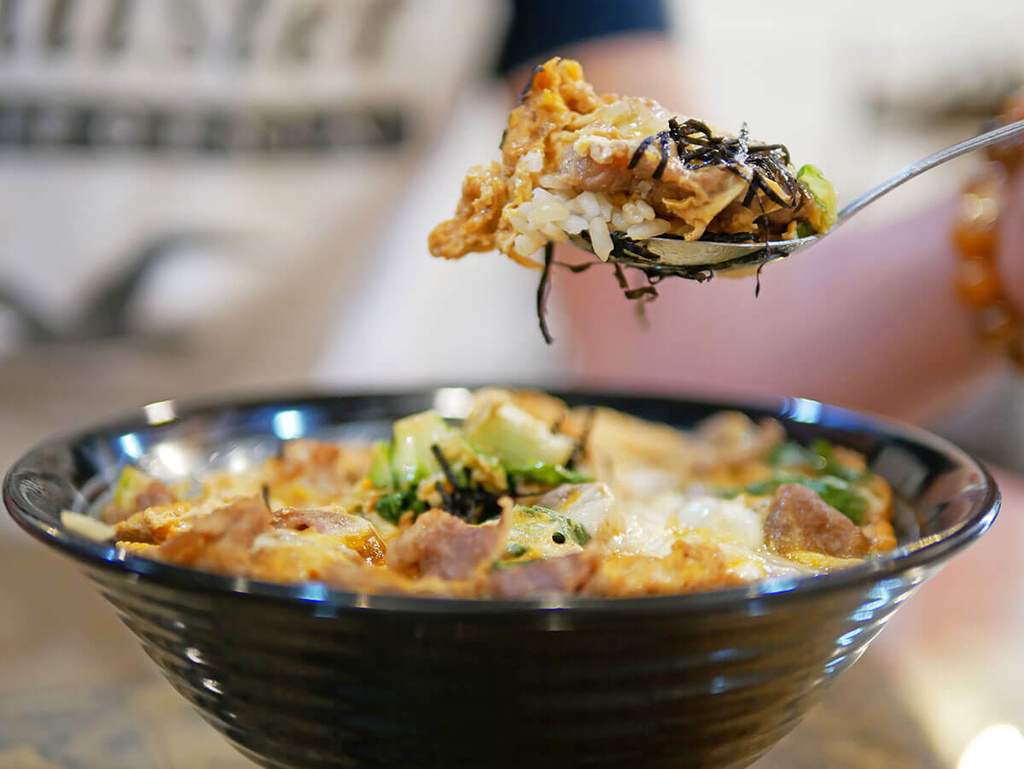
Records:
x=609, y=167
x=524, y=497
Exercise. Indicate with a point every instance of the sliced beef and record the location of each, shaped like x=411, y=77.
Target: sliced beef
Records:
x=730, y=438
x=799, y=519
x=441, y=545
x=153, y=525
x=588, y=504
x=221, y=541
x=563, y=575
x=354, y=531
x=320, y=521
x=327, y=467
x=156, y=493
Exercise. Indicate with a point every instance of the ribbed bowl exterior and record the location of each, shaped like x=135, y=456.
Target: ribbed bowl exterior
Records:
x=295, y=685
x=307, y=677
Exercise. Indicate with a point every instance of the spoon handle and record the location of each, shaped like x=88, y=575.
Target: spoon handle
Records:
x=909, y=172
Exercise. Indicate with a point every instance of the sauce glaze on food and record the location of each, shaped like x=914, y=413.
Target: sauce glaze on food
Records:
x=574, y=162
x=524, y=497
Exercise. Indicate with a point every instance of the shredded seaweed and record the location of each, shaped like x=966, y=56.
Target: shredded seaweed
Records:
x=529, y=83
x=757, y=280
x=579, y=449
x=542, y=291
x=642, y=295
x=759, y=165
x=466, y=500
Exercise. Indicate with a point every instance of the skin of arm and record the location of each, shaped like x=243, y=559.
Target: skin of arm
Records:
x=869, y=319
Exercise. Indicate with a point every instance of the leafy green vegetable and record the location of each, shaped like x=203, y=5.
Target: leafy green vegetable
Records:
x=825, y=197
x=819, y=459
x=516, y=550
x=845, y=500
x=411, y=456
x=131, y=483
x=380, y=466
x=831, y=466
x=551, y=475
x=564, y=524
x=791, y=454
x=390, y=507
x=517, y=438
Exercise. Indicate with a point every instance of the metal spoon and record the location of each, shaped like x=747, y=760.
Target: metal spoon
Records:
x=695, y=258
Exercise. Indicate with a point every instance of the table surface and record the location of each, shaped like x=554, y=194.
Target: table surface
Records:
x=77, y=691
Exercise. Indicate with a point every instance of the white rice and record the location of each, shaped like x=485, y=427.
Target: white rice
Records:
x=554, y=214
x=600, y=239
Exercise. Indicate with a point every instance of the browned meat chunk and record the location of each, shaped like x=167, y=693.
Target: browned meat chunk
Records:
x=731, y=439
x=563, y=575
x=801, y=520
x=222, y=541
x=154, y=525
x=355, y=532
x=326, y=467
x=441, y=545
x=477, y=216
x=320, y=521
x=156, y=493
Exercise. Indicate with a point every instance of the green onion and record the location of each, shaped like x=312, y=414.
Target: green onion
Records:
x=835, y=491
x=515, y=550
x=390, y=507
x=551, y=475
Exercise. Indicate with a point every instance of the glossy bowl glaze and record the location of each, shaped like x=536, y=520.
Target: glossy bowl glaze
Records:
x=304, y=676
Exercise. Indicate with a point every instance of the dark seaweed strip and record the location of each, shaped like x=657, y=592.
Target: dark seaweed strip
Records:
x=542, y=291
x=763, y=219
x=529, y=83
x=446, y=468
x=579, y=449
x=639, y=153
x=620, y=276
x=663, y=145
x=752, y=186
x=576, y=268
x=472, y=503
x=697, y=147
x=641, y=292
x=757, y=281
x=730, y=237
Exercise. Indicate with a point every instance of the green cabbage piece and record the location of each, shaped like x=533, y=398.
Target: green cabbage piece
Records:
x=826, y=199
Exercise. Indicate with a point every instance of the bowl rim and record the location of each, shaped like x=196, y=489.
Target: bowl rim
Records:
x=932, y=550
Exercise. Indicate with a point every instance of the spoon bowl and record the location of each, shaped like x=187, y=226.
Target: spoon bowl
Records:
x=688, y=258
x=672, y=255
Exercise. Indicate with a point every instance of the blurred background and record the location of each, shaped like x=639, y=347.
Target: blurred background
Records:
x=226, y=196
x=218, y=196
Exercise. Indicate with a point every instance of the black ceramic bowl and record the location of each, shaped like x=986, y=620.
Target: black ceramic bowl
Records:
x=303, y=676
